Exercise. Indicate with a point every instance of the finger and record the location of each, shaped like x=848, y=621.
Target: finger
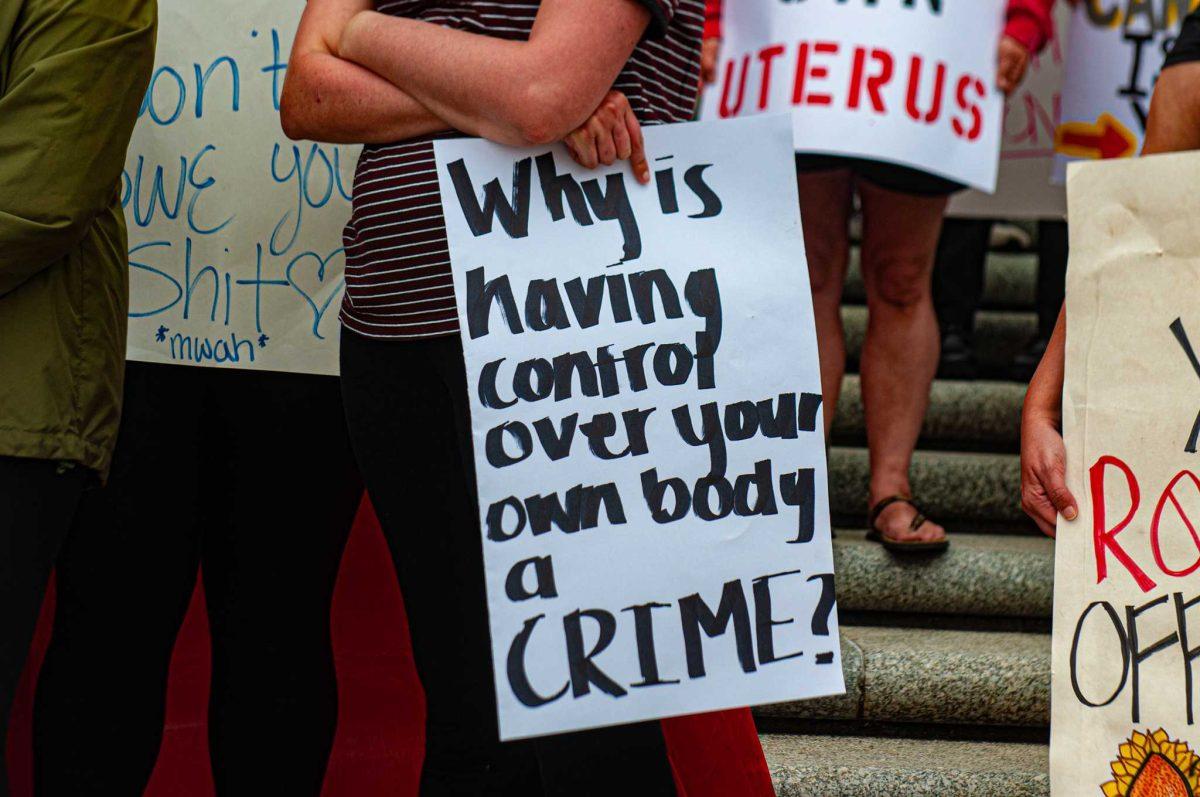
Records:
x=572, y=144
x=1004, y=71
x=606, y=148
x=637, y=155
x=1060, y=497
x=622, y=141
x=1042, y=513
x=1013, y=73
x=1018, y=74
x=585, y=148
x=1003, y=80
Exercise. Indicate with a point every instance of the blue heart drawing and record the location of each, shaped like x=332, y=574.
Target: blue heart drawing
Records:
x=322, y=264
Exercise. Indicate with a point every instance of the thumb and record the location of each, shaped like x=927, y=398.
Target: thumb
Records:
x=1060, y=496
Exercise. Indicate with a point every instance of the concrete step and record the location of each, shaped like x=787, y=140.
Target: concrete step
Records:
x=966, y=492
x=838, y=766
x=1010, y=281
x=999, y=336
x=977, y=416
x=982, y=575
x=904, y=675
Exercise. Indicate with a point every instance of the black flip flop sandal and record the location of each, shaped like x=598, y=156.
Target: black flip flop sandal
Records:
x=899, y=546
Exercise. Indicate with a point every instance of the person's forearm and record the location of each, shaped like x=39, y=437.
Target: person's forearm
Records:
x=326, y=98
x=1044, y=398
x=513, y=92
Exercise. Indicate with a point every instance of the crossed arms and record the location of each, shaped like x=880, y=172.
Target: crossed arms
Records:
x=358, y=76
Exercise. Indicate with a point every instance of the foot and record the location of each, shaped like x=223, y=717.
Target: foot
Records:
x=1025, y=363
x=895, y=524
x=958, y=355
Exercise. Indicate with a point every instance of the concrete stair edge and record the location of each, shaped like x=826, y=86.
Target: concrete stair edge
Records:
x=896, y=675
x=999, y=336
x=984, y=575
x=979, y=415
x=964, y=491
x=840, y=766
x=1010, y=281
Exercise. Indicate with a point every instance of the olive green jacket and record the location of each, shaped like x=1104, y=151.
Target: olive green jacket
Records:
x=72, y=77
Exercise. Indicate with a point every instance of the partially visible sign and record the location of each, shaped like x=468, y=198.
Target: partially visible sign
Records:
x=901, y=82
x=1115, y=53
x=647, y=424
x=1126, y=589
x=1025, y=189
x=234, y=231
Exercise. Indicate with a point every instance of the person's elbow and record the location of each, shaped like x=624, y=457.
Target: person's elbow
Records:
x=298, y=101
x=293, y=112
x=549, y=110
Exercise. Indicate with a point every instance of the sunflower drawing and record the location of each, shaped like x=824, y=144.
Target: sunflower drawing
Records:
x=1152, y=765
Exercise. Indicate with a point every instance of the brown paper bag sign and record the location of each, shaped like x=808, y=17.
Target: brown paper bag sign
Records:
x=1127, y=573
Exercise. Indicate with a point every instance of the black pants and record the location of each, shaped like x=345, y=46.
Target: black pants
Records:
x=38, y=507
x=406, y=403
x=249, y=477
x=959, y=272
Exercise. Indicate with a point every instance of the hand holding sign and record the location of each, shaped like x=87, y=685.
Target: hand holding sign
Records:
x=1014, y=62
x=611, y=133
x=1126, y=605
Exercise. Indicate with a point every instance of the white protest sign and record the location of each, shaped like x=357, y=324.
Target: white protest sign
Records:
x=1025, y=189
x=234, y=231
x=1115, y=51
x=647, y=423
x=1127, y=594
x=896, y=81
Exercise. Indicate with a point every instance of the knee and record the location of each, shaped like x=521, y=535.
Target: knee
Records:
x=899, y=282
x=826, y=271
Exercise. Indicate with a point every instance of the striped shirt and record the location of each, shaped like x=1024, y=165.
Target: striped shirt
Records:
x=398, y=282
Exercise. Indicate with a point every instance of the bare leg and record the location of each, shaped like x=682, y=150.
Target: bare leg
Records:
x=825, y=203
x=900, y=234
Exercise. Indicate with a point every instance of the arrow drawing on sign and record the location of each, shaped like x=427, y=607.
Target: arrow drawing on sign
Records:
x=1104, y=139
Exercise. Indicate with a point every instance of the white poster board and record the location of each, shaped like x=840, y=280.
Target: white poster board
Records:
x=234, y=231
x=646, y=417
x=1113, y=58
x=1025, y=189
x=1126, y=614
x=907, y=83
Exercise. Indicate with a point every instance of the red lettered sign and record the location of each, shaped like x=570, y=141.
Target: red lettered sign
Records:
x=905, y=82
